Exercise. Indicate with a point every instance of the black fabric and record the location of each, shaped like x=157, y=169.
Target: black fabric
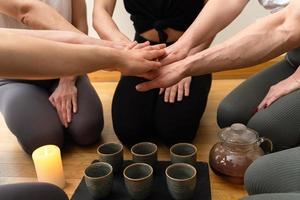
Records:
x=162, y=14
x=31, y=191
x=31, y=117
x=144, y=116
x=160, y=190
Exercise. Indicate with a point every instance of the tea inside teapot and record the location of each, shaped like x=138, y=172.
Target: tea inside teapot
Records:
x=239, y=146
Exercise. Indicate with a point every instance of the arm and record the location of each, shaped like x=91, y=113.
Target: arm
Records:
x=103, y=22
x=33, y=13
x=269, y=37
x=39, y=58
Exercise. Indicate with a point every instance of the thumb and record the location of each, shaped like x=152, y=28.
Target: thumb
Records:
x=146, y=86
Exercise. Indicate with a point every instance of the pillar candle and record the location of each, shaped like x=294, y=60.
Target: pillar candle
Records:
x=48, y=165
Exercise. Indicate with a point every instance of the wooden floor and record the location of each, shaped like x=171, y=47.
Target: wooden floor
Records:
x=16, y=166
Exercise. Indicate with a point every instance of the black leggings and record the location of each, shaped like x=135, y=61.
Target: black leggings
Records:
x=145, y=116
x=34, y=121
x=31, y=191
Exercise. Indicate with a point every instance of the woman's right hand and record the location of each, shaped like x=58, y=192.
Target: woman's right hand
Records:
x=141, y=59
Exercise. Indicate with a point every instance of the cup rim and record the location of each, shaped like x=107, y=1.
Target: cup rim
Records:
x=141, y=143
x=110, y=154
x=138, y=179
x=181, y=164
x=183, y=156
x=100, y=177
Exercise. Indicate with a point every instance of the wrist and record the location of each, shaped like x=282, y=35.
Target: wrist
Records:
x=68, y=80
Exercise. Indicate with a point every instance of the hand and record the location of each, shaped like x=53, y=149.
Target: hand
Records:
x=279, y=90
x=142, y=60
x=64, y=99
x=165, y=76
x=181, y=88
x=174, y=52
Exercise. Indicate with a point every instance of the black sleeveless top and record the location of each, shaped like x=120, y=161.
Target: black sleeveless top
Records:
x=162, y=14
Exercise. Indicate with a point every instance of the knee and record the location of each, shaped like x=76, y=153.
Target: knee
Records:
x=255, y=179
x=35, y=138
x=86, y=131
x=227, y=114
x=171, y=135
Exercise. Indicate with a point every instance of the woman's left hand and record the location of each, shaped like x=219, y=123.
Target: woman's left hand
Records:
x=64, y=99
x=279, y=90
x=180, y=90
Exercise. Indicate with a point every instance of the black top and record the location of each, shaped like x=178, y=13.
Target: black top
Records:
x=162, y=14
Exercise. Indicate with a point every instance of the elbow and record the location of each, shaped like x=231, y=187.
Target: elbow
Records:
x=24, y=10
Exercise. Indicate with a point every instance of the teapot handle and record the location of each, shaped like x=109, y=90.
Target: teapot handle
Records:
x=262, y=140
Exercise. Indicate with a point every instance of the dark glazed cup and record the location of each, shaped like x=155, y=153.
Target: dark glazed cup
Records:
x=138, y=180
x=181, y=180
x=99, y=179
x=111, y=153
x=184, y=153
x=144, y=152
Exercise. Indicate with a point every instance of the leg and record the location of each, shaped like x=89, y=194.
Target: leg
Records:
x=32, y=191
x=30, y=116
x=275, y=196
x=280, y=122
x=179, y=122
x=240, y=104
x=87, y=123
x=132, y=112
x=274, y=173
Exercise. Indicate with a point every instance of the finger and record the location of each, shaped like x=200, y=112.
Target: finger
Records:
x=173, y=94
x=262, y=104
x=187, y=88
x=272, y=100
x=59, y=112
x=64, y=113
x=167, y=95
x=131, y=45
x=180, y=92
x=154, y=54
x=74, y=103
x=152, y=66
x=168, y=59
x=149, y=85
x=161, y=91
x=69, y=111
x=156, y=47
x=142, y=45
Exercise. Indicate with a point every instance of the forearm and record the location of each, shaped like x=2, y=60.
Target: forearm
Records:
x=267, y=38
x=213, y=18
x=38, y=58
x=103, y=23
x=201, y=47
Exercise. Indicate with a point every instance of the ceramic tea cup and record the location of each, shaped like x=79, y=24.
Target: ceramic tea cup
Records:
x=181, y=180
x=184, y=153
x=111, y=153
x=99, y=179
x=138, y=180
x=144, y=152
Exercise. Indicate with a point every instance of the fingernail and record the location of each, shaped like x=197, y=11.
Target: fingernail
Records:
x=265, y=106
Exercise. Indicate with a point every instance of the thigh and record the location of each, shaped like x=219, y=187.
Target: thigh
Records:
x=32, y=191
x=30, y=116
x=87, y=123
x=280, y=121
x=241, y=103
x=179, y=121
x=132, y=111
x=274, y=173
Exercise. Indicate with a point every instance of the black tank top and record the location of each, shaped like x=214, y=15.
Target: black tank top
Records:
x=162, y=14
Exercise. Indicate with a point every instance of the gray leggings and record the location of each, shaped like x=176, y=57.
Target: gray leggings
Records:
x=31, y=191
x=279, y=122
x=277, y=173
x=34, y=121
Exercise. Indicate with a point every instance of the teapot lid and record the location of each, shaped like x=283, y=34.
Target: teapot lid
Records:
x=238, y=134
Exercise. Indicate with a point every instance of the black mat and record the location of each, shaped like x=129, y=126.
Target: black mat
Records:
x=160, y=190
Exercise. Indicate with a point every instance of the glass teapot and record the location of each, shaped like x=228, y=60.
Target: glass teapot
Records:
x=239, y=146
